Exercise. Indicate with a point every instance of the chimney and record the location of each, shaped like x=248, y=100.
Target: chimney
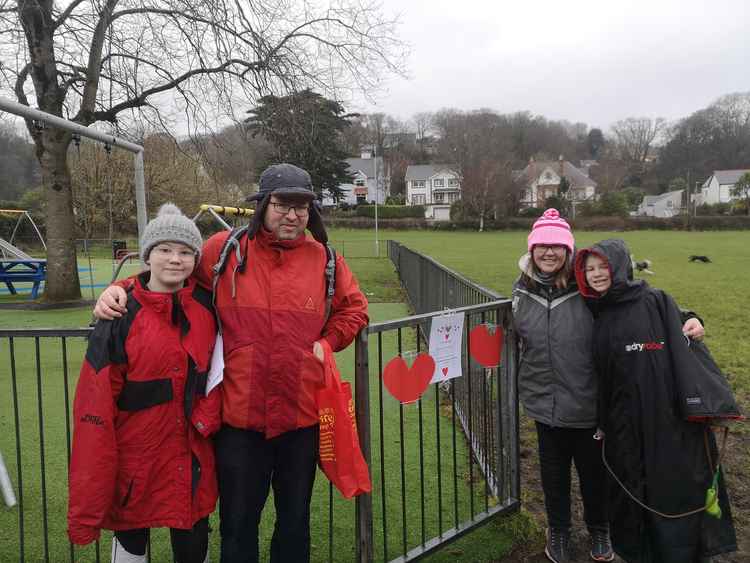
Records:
x=561, y=162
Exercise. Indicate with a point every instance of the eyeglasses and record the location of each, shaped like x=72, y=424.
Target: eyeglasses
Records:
x=167, y=252
x=543, y=248
x=285, y=208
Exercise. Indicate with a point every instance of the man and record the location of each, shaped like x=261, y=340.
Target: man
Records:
x=271, y=302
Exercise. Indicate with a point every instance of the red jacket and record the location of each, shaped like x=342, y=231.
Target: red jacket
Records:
x=141, y=453
x=271, y=315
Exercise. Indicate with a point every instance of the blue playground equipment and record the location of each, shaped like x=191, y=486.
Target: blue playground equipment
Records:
x=15, y=265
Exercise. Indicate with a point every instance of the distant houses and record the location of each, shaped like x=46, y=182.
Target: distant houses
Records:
x=718, y=187
x=541, y=180
x=435, y=186
x=667, y=204
x=366, y=170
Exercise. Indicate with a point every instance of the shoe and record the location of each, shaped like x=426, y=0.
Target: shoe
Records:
x=601, y=546
x=558, y=545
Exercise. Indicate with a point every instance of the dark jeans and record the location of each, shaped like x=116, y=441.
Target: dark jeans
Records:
x=247, y=464
x=557, y=448
x=188, y=546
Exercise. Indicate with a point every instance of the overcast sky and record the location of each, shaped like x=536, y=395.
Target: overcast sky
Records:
x=580, y=60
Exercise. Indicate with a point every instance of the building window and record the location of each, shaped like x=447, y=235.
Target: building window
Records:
x=417, y=183
x=417, y=199
x=438, y=198
x=438, y=183
x=452, y=197
x=359, y=182
x=361, y=198
x=670, y=203
x=452, y=182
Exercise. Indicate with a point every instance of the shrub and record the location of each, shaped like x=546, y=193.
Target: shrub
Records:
x=392, y=211
x=531, y=212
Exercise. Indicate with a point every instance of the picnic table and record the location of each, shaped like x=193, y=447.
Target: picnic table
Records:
x=14, y=270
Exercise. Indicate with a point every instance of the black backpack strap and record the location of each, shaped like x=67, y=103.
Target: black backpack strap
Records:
x=330, y=274
x=231, y=242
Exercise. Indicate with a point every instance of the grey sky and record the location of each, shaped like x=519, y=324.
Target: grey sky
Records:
x=581, y=60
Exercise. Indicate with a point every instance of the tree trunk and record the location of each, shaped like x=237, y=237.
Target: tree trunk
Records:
x=62, y=267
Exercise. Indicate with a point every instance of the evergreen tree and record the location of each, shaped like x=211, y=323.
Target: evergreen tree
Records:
x=305, y=130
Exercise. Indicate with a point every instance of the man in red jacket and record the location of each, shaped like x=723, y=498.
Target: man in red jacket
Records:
x=273, y=309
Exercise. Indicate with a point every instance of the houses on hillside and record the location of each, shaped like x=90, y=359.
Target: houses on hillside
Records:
x=541, y=180
x=370, y=182
x=436, y=186
x=667, y=204
x=718, y=187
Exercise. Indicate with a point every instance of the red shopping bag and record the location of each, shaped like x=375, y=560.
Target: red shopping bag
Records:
x=340, y=456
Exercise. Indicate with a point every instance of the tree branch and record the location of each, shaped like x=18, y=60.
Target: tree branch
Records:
x=66, y=13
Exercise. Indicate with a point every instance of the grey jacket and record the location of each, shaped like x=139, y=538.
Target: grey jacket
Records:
x=556, y=381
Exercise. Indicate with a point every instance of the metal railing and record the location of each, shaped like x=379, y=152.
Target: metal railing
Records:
x=430, y=286
x=440, y=467
x=439, y=490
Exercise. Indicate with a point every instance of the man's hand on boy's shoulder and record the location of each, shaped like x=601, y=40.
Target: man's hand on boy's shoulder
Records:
x=112, y=302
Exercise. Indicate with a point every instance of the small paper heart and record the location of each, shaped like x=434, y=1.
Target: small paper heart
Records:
x=486, y=348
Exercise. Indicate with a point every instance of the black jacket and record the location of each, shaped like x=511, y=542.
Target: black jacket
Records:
x=651, y=447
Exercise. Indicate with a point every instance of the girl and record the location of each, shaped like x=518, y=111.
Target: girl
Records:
x=141, y=453
x=665, y=462
x=557, y=383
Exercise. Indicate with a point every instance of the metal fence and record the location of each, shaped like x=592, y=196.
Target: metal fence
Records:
x=440, y=466
x=418, y=451
x=430, y=286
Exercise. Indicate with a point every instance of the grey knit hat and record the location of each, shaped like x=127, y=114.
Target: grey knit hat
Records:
x=170, y=225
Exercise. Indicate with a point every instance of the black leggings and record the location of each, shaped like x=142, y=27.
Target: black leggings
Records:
x=558, y=447
x=188, y=546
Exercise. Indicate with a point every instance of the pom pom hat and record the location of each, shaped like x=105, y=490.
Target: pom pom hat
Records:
x=551, y=229
x=170, y=225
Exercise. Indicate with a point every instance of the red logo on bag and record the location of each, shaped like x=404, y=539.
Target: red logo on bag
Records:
x=407, y=384
x=486, y=348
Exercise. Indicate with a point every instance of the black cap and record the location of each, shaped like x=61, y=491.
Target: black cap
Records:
x=284, y=179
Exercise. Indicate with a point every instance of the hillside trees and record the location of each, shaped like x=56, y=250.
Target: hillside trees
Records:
x=114, y=60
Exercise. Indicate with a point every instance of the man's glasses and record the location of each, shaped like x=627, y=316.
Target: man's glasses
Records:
x=284, y=208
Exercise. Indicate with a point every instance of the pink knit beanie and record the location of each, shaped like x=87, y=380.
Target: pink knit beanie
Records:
x=551, y=229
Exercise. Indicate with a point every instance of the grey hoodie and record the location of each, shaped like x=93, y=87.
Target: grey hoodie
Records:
x=556, y=381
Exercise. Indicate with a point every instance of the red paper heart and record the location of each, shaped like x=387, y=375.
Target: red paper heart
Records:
x=408, y=383
x=445, y=372
x=485, y=347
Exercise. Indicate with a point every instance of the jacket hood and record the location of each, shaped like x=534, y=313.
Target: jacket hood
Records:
x=617, y=255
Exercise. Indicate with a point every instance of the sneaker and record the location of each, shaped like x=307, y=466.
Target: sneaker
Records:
x=601, y=546
x=558, y=545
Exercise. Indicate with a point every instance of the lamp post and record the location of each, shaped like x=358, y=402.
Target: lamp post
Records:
x=375, y=162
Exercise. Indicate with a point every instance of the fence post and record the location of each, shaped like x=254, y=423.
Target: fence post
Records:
x=511, y=377
x=362, y=412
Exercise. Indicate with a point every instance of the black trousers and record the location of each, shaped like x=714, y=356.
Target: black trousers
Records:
x=557, y=448
x=188, y=546
x=247, y=465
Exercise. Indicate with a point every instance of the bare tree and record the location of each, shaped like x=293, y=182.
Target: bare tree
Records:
x=422, y=126
x=636, y=135
x=116, y=60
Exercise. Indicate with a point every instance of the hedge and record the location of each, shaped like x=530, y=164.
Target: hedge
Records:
x=391, y=211
x=709, y=223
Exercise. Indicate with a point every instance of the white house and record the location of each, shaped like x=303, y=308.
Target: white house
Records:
x=718, y=187
x=436, y=186
x=541, y=180
x=667, y=204
x=363, y=189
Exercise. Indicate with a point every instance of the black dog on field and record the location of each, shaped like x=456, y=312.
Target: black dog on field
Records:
x=696, y=258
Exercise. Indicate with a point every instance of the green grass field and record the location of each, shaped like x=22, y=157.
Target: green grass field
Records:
x=716, y=291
